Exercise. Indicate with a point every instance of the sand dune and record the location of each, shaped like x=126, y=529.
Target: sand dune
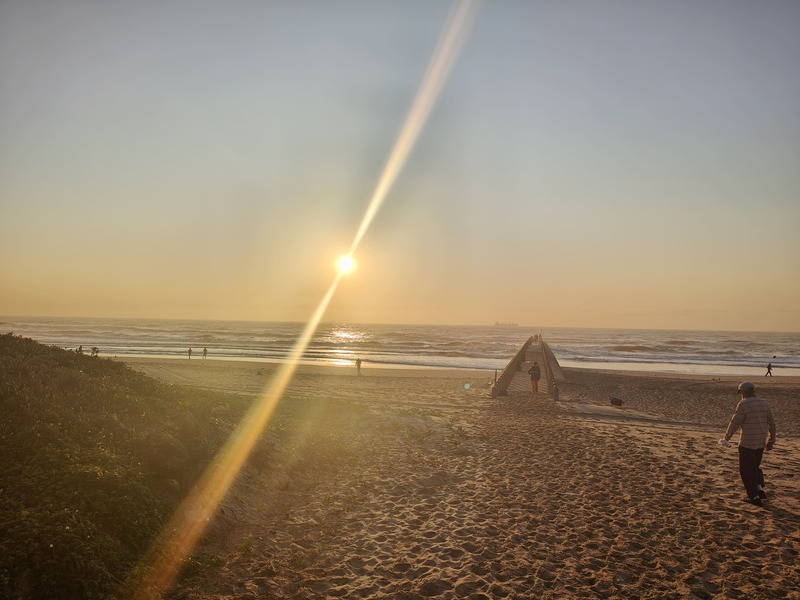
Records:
x=425, y=489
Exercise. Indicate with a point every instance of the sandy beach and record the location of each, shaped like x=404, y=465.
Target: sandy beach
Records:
x=407, y=483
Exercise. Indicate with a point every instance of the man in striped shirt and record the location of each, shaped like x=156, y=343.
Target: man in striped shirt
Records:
x=755, y=418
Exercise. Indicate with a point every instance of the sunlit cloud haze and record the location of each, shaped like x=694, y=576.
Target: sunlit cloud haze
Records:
x=593, y=164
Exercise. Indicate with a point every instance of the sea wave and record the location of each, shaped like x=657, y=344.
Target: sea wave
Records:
x=629, y=348
x=418, y=345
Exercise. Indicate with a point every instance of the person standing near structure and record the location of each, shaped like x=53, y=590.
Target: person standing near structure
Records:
x=536, y=374
x=754, y=416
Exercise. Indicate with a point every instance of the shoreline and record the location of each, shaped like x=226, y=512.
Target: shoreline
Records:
x=384, y=369
x=790, y=379
x=700, y=370
x=666, y=369
x=687, y=399
x=310, y=367
x=675, y=352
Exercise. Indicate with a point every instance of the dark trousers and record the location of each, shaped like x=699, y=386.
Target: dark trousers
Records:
x=750, y=469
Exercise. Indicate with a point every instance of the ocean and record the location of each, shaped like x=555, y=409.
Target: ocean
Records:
x=488, y=347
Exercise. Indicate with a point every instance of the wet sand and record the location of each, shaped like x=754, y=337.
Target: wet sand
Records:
x=408, y=484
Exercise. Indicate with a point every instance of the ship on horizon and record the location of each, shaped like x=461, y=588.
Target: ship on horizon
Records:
x=505, y=324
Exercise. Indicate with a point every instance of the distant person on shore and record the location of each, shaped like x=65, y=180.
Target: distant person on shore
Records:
x=190, y=354
x=358, y=365
x=769, y=370
x=754, y=416
x=536, y=374
x=80, y=349
x=205, y=353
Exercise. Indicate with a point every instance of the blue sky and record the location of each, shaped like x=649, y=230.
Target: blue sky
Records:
x=603, y=163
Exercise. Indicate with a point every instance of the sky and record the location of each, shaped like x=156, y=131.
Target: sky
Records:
x=594, y=163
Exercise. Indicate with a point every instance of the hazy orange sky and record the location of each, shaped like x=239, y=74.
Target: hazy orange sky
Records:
x=588, y=163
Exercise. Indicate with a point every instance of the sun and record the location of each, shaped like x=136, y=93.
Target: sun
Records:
x=345, y=264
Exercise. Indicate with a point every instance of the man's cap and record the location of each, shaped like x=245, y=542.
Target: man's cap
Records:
x=746, y=386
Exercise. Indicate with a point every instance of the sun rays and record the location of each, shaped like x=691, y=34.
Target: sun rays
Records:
x=188, y=523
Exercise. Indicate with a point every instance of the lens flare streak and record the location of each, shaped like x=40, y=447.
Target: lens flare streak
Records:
x=444, y=57
x=189, y=522
x=179, y=537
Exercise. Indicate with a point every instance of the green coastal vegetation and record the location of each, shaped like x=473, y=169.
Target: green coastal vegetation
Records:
x=95, y=457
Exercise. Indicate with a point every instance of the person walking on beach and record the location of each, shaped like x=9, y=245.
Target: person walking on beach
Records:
x=190, y=354
x=536, y=374
x=205, y=353
x=754, y=416
x=358, y=365
x=769, y=370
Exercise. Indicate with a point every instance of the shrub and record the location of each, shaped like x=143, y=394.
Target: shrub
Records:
x=78, y=501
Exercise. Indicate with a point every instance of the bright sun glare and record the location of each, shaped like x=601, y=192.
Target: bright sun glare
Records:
x=177, y=540
x=345, y=264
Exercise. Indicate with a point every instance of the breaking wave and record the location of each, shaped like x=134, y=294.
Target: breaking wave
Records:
x=422, y=345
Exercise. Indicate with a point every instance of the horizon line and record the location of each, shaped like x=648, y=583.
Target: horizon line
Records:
x=396, y=324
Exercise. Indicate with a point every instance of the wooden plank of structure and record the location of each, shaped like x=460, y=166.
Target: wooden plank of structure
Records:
x=515, y=379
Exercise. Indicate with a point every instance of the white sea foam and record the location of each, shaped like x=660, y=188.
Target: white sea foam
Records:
x=703, y=352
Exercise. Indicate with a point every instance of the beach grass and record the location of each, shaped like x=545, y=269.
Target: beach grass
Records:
x=96, y=456
x=94, y=459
